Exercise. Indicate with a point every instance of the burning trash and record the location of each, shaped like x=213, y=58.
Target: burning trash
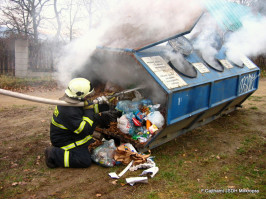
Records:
x=140, y=120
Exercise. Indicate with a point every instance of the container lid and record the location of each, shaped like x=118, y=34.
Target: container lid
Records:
x=155, y=26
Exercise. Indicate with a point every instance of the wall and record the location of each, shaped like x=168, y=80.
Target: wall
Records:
x=22, y=61
x=21, y=58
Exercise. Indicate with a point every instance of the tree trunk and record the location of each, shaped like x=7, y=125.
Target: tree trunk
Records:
x=58, y=31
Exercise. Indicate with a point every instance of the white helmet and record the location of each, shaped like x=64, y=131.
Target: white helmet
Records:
x=78, y=89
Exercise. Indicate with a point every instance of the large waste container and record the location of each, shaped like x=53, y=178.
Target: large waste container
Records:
x=192, y=89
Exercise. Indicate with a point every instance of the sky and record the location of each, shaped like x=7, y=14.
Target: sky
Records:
x=81, y=25
x=48, y=25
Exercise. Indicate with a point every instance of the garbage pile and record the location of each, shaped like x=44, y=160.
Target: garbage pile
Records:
x=140, y=121
x=108, y=155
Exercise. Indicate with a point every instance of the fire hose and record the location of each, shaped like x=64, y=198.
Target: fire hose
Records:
x=58, y=102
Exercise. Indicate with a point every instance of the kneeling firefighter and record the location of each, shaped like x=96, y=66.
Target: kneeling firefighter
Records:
x=71, y=127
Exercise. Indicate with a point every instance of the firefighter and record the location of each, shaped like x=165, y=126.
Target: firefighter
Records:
x=72, y=127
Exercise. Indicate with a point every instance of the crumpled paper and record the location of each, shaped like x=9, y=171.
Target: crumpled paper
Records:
x=132, y=180
x=152, y=170
x=149, y=164
x=114, y=175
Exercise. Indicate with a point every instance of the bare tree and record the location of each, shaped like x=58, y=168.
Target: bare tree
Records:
x=89, y=9
x=24, y=17
x=93, y=9
x=73, y=11
x=33, y=9
x=66, y=17
x=57, y=16
x=15, y=19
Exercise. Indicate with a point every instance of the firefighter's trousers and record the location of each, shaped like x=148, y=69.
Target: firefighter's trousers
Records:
x=78, y=157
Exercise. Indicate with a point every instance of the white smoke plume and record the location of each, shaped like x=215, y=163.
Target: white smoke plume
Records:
x=138, y=23
x=131, y=24
x=206, y=38
x=75, y=55
x=249, y=40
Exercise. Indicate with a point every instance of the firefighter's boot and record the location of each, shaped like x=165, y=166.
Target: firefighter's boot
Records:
x=48, y=159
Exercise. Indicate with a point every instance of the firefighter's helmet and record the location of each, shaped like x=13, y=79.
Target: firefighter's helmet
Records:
x=78, y=89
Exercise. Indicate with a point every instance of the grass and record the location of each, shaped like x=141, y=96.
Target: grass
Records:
x=225, y=154
x=255, y=98
x=14, y=83
x=185, y=174
x=263, y=72
x=153, y=195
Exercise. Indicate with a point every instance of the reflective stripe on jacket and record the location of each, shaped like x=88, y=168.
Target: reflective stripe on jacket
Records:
x=71, y=126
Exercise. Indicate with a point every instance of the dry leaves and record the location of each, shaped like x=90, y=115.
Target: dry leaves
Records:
x=13, y=165
x=98, y=195
x=38, y=160
x=19, y=183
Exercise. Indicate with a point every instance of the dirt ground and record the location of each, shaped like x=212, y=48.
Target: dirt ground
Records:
x=24, y=134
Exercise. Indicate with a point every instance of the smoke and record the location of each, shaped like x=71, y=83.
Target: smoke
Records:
x=206, y=39
x=131, y=24
x=75, y=55
x=138, y=23
x=249, y=40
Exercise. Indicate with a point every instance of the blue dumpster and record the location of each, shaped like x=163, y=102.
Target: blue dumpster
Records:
x=193, y=89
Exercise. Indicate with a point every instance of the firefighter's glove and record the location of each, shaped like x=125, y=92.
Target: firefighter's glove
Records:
x=105, y=118
x=101, y=100
x=88, y=105
x=96, y=107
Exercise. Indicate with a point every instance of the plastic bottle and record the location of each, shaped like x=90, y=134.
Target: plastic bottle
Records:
x=127, y=106
x=154, y=108
x=146, y=102
x=139, y=115
x=136, y=122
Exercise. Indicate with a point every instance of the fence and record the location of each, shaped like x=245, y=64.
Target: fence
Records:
x=41, y=58
x=7, y=56
x=23, y=58
x=260, y=61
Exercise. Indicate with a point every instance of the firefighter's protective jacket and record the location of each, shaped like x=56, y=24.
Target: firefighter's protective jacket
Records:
x=71, y=126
